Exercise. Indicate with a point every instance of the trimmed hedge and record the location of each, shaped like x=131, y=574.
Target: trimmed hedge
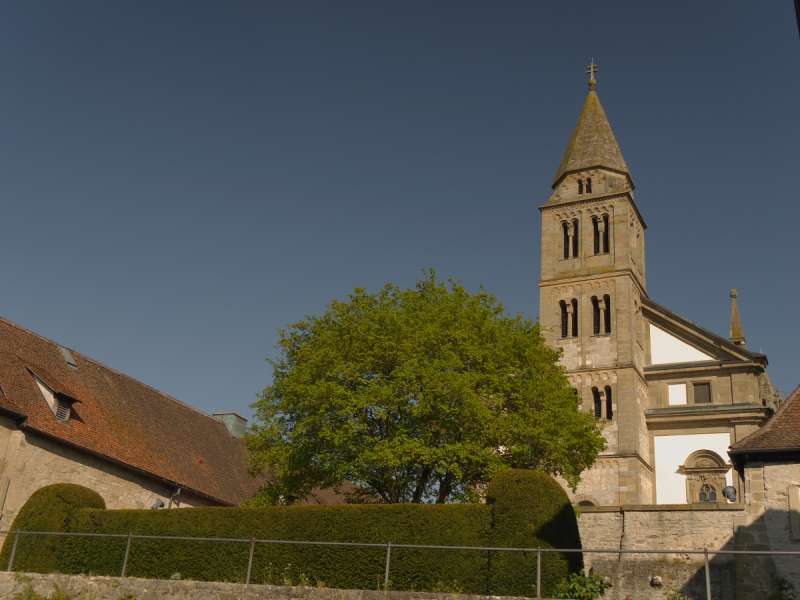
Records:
x=531, y=510
x=341, y=567
x=51, y=508
x=525, y=509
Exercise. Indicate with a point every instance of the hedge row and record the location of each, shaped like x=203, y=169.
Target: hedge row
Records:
x=531, y=510
x=341, y=567
x=524, y=509
x=51, y=508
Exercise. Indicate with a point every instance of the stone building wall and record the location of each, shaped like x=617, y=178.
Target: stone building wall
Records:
x=29, y=462
x=778, y=478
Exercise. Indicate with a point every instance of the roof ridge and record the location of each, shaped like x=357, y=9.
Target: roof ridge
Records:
x=98, y=363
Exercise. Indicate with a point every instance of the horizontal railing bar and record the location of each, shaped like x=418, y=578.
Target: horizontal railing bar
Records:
x=408, y=546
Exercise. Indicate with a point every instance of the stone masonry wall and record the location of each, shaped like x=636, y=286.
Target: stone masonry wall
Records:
x=654, y=527
x=778, y=478
x=113, y=588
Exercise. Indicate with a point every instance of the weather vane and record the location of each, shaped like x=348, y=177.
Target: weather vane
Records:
x=591, y=70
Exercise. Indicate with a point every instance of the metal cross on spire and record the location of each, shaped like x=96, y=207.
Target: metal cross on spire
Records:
x=591, y=70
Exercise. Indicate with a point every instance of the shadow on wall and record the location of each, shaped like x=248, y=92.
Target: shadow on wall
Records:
x=737, y=576
x=752, y=573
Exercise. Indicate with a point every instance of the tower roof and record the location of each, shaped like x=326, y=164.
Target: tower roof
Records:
x=593, y=143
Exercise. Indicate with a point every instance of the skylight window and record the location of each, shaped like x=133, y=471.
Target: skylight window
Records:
x=68, y=357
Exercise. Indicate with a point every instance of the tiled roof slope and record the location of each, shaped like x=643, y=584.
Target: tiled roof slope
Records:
x=121, y=418
x=782, y=431
x=592, y=143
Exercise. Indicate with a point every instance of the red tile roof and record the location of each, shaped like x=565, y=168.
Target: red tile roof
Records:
x=122, y=419
x=781, y=432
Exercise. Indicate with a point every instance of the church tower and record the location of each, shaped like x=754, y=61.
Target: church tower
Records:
x=592, y=283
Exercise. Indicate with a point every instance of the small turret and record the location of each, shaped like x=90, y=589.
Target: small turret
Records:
x=737, y=334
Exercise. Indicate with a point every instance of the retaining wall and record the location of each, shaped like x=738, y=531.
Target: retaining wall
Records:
x=118, y=588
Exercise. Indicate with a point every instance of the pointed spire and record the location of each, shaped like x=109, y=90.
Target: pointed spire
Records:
x=737, y=333
x=593, y=143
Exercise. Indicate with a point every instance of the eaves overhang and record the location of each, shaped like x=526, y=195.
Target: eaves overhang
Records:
x=678, y=417
x=704, y=409
x=700, y=365
x=741, y=451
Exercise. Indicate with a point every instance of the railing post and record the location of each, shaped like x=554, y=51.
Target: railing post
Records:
x=250, y=560
x=708, y=575
x=13, y=551
x=538, y=573
x=127, y=554
x=386, y=575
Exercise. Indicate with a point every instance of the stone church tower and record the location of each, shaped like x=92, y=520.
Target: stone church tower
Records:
x=628, y=358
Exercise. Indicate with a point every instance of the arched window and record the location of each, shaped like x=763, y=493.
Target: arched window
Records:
x=580, y=186
x=595, y=316
x=575, y=238
x=565, y=227
x=607, y=314
x=585, y=503
x=708, y=493
x=705, y=472
x=596, y=228
x=574, y=318
x=598, y=404
x=609, y=406
x=588, y=185
x=605, y=234
x=564, y=320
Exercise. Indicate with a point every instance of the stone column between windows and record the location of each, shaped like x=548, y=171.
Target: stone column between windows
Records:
x=602, y=325
x=570, y=236
x=601, y=394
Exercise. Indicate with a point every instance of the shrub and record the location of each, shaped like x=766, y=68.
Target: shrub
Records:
x=531, y=510
x=341, y=567
x=526, y=509
x=51, y=508
x=581, y=587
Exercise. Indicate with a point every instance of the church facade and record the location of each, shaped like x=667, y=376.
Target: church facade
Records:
x=670, y=396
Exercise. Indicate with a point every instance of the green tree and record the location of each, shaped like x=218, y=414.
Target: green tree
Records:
x=419, y=395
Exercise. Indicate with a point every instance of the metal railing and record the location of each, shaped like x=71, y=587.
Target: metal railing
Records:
x=130, y=537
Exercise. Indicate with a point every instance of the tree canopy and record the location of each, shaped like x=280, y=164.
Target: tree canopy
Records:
x=417, y=395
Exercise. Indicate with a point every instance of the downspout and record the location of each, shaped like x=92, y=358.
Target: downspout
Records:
x=177, y=493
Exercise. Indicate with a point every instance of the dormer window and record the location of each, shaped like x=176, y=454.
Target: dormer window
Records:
x=63, y=409
x=59, y=404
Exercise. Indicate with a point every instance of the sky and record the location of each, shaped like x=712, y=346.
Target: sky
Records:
x=179, y=180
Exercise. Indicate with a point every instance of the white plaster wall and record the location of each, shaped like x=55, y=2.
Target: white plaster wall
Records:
x=677, y=394
x=666, y=348
x=671, y=452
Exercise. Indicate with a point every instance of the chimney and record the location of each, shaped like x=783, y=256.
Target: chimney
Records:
x=236, y=424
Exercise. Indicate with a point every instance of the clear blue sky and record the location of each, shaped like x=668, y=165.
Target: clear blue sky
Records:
x=180, y=179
